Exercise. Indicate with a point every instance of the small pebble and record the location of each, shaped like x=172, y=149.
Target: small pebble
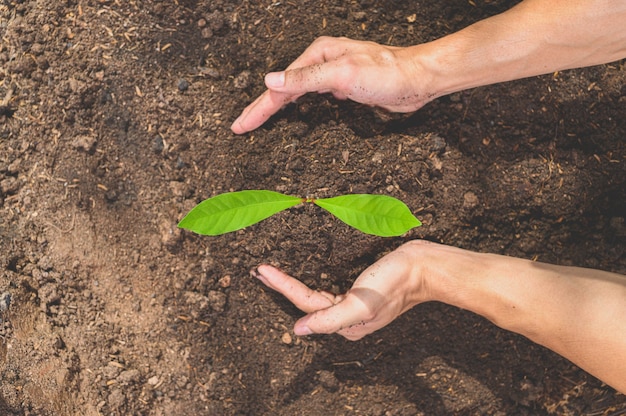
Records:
x=242, y=80
x=157, y=144
x=437, y=144
x=206, y=33
x=59, y=344
x=84, y=143
x=5, y=301
x=183, y=85
x=470, y=200
x=225, y=281
x=286, y=338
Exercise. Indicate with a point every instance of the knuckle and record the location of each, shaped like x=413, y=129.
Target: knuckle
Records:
x=385, y=55
x=347, y=73
x=323, y=41
x=368, y=316
x=412, y=246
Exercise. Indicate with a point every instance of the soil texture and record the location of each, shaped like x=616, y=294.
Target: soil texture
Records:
x=114, y=123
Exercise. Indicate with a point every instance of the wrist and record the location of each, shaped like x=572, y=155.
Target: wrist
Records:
x=533, y=38
x=515, y=294
x=442, y=273
x=479, y=55
x=481, y=283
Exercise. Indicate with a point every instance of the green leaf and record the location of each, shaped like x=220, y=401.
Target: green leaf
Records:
x=235, y=210
x=379, y=215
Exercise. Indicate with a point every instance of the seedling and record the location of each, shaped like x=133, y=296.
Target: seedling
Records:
x=379, y=215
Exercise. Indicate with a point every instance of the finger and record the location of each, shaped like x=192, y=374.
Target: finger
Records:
x=324, y=49
x=304, y=298
x=257, y=113
x=341, y=318
x=283, y=88
x=319, y=77
x=270, y=102
x=280, y=92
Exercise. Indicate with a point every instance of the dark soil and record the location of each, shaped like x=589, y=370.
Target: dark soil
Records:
x=114, y=122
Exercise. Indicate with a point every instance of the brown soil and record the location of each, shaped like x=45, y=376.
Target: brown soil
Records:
x=114, y=122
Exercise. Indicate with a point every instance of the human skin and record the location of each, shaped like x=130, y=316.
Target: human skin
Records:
x=576, y=312
x=535, y=37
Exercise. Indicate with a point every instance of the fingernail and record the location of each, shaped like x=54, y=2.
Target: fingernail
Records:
x=302, y=330
x=235, y=127
x=255, y=273
x=275, y=79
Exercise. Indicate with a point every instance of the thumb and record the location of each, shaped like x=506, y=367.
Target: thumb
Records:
x=350, y=311
x=275, y=80
x=320, y=78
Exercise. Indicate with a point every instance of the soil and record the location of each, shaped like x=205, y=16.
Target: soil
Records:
x=114, y=123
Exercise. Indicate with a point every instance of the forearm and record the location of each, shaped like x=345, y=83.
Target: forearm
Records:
x=575, y=312
x=535, y=37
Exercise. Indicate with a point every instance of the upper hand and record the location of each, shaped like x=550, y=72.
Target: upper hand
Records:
x=382, y=292
x=365, y=72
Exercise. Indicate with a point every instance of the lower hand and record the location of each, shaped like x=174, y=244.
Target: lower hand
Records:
x=382, y=292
